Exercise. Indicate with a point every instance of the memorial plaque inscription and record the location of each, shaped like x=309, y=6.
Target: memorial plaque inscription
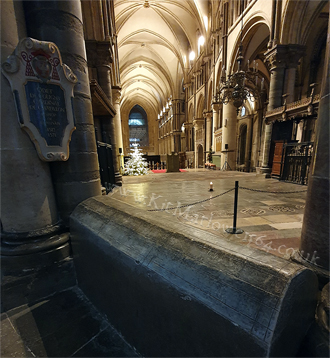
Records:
x=46, y=104
x=43, y=91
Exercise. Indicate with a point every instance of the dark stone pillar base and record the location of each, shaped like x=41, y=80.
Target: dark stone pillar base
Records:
x=118, y=179
x=34, y=269
x=34, y=252
x=316, y=342
x=322, y=274
x=266, y=171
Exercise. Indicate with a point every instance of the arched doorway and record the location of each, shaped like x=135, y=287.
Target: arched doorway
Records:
x=200, y=156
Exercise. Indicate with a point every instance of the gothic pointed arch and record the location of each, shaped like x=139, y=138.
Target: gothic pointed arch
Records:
x=138, y=127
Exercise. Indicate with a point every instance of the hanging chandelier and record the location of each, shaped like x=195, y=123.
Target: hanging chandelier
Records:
x=241, y=85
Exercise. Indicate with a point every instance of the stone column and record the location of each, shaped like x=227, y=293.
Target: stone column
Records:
x=198, y=125
x=183, y=142
x=229, y=125
x=104, y=58
x=116, y=95
x=215, y=108
x=276, y=60
x=187, y=127
x=314, y=244
x=61, y=22
x=166, y=144
x=29, y=217
x=209, y=130
x=295, y=52
x=177, y=141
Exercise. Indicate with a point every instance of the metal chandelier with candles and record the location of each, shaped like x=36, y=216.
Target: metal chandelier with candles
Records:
x=241, y=85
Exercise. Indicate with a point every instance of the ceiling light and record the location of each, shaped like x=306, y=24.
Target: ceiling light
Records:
x=192, y=56
x=201, y=40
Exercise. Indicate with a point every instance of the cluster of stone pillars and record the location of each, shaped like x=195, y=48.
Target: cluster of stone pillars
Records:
x=119, y=151
x=38, y=197
x=283, y=61
x=170, y=130
x=100, y=56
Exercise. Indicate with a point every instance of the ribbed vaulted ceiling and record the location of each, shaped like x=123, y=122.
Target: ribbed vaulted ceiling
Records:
x=154, y=41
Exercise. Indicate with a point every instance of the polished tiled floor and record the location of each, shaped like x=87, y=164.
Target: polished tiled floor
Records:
x=270, y=214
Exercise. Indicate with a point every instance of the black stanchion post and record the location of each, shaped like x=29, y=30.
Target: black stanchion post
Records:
x=234, y=230
x=235, y=205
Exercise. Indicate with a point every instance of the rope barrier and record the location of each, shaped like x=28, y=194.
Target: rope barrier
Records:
x=234, y=229
x=228, y=191
x=197, y=202
x=273, y=192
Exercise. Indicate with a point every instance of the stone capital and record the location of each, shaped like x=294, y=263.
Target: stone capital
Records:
x=198, y=123
x=207, y=114
x=99, y=53
x=276, y=57
x=280, y=56
x=104, y=53
x=215, y=107
x=187, y=125
x=116, y=96
x=295, y=52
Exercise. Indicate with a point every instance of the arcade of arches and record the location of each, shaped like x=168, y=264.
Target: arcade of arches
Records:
x=173, y=55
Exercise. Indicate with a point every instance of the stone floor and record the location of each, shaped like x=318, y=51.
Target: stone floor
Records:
x=270, y=212
x=62, y=325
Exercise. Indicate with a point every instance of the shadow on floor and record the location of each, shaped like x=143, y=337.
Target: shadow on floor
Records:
x=63, y=325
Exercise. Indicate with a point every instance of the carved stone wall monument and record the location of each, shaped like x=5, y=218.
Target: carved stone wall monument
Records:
x=43, y=91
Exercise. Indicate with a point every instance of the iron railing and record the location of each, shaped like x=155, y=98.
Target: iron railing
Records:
x=107, y=172
x=297, y=162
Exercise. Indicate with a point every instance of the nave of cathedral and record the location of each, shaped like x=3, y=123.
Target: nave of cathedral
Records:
x=237, y=86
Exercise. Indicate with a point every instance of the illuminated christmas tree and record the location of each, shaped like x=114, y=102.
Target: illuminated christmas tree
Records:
x=136, y=165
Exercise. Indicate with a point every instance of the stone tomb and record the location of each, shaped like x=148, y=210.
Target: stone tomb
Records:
x=171, y=293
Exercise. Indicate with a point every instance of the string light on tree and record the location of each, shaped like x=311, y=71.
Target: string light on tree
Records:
x=136, y=165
